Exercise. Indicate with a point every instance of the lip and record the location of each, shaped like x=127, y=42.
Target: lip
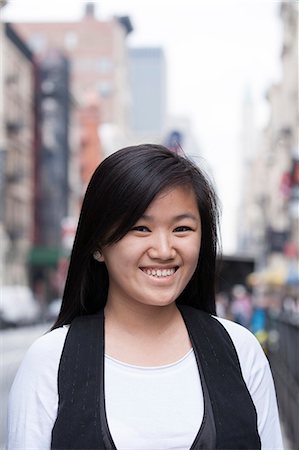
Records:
x=159, y=279
x=172, y=266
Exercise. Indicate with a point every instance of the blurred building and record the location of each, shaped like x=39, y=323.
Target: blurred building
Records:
x=57, y=182
x=147, y=70
x=17, y=142
x=249, y=214
x=147, y=99
x=81, y=85
x=98, y=56
x=3, y=236
x=180, y=135
x=91, y=150
x=39, y=174
x=75, y=183
x=2, y=125
x=272, y=225
x=52, y=153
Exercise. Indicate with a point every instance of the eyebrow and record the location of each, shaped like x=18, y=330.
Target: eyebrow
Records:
x=175, y=218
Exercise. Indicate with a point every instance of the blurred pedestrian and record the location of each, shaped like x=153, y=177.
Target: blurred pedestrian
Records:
x=137, y=358
x=222, y=305
x=241, y=307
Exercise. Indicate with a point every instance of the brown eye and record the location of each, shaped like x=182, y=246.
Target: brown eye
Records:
x=182, y=229
x=141, y=228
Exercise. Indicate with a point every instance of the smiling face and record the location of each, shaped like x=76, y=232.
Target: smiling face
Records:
x=154, y=261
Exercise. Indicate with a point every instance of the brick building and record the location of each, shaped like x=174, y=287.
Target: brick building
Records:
x=98, y=55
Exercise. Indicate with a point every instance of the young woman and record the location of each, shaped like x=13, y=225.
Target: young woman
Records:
x=137, y=358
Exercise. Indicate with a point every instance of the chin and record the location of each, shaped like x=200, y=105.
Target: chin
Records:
x=166, y=302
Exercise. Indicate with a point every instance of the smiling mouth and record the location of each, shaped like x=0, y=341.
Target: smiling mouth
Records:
x=159, y=273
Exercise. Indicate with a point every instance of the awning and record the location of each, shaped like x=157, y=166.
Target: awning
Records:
x=267, y=277
x=275, y=276
x=45, y=256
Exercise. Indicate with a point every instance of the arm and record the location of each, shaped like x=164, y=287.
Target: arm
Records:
x=258, y=378
x=261, y=387
x=33, y=399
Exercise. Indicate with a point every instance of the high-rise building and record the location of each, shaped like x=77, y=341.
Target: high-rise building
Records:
x=147, y=71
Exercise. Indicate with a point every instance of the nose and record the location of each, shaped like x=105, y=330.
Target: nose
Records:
x=162, y=247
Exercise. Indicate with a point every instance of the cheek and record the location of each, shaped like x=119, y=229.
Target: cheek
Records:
x=123, y=255
x=193, y=256
x=194, y=249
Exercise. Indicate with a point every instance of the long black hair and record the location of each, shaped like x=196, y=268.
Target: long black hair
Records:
x=120, y=190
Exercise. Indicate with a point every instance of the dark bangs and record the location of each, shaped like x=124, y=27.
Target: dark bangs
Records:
x=132, y=187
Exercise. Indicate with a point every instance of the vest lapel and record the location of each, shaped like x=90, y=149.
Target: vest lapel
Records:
x=233, y=409
x=81, y=419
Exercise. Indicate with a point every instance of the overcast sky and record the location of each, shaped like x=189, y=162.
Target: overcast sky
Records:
x=215, y=52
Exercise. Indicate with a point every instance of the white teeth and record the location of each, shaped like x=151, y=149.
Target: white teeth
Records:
x=158, y=273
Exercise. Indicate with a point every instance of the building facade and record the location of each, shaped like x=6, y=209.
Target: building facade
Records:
x=17, y=150
x=98, y=56
x=271, y=227
x=52, y=152
x=97, y=53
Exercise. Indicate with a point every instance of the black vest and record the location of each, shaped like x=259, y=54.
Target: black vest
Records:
x=230, y=419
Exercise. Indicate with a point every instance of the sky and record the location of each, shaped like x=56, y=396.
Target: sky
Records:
x=216, y=51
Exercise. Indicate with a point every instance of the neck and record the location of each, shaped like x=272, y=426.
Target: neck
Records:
x=145, y=335
x=141, y=319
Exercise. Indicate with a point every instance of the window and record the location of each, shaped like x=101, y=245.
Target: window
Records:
x=104, y=65
x=105, y=88
x=37, y=42
x=70, y=40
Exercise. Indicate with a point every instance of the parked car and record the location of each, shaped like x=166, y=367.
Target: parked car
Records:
x=53, y=310
x=17, y=306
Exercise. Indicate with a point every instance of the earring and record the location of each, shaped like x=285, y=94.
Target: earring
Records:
x=98, y=256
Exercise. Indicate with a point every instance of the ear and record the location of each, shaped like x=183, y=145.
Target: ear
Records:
x=98, y=256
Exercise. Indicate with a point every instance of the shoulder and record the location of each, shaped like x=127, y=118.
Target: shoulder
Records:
x=46, y=350
x=50, y=340
x=258, y=378
x=33, y=398
x=41, y=361
x=242, y=338
x=251, y=356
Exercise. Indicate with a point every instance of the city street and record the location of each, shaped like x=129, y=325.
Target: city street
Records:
x=217, y=96
x=13, y=345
